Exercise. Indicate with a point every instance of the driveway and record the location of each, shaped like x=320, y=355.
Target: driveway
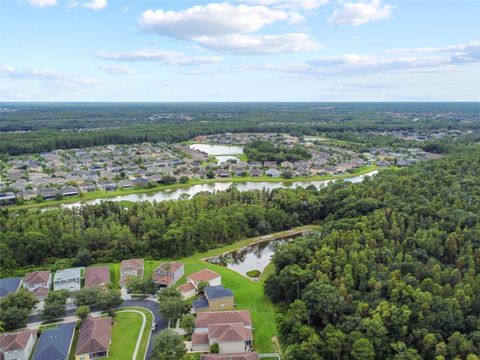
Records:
x=147, y=304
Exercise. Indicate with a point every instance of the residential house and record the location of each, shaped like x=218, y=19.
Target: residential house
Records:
x=125, y=184
x=94, y=338
x=38, y=282
x=238, y=356
x=97, y=276
x=256, y=172
x=69, y=191
x=68, y=279
x=17, y=345
x=193, y=280
x=168, y=274
x=55, y=343
x=27, y=194
x=19, y=185
x=9, y=285
x=221, y=173
x=107, y=185
x=48, y=193
x=270, y=164
x=7, y=198
x=86, y=187
x=215, y=298
x=231, y=330
x=132, y=267
x=286, y=165
x=272, y=173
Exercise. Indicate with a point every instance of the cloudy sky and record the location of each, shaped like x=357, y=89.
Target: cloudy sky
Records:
x=239, y=50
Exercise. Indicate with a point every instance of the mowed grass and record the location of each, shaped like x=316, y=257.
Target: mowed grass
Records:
x=125, y=331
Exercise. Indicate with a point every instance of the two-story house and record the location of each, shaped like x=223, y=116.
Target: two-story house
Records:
x=168, y=274
x=39, y=283
x=17, y=345
x=215, y=298
x=68, y=279
x=131, y=267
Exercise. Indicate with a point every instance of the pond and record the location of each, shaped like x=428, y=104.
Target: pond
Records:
x=221, y=152
x=254, y=257
x=175, y=194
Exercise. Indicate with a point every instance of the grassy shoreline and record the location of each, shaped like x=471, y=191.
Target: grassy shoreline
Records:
x=99, y=194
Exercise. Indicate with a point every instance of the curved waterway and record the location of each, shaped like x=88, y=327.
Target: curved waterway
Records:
x=174, y=194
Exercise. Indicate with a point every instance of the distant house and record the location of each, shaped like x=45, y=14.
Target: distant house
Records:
x=141, y=182
x=94, y=338
x=286, y=165
x=48, y=193
x=215, y=298
x=167, y=274
x=383, y=163
x=38, y=283
x=9, y=285
x=86, y=187
x=256, y=172
x=272, y=173
x=55, y=343
x=221, y=173
x=7, y=198
x=237, y=356
x=97, y=276
x=231, y=330
x=17, y=345
x=69, y=191
x=270, y=164
x=107, y=185
x=132, y=267
x=125, y=184
x=27, y=194
x=68, y=279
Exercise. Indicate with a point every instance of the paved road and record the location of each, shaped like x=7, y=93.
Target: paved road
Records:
x=147, y=304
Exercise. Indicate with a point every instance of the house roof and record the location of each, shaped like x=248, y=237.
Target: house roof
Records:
x=201, y=303
x=203, y=275
x=238, y=356
x=186, y=287
x=94, y=336
x=54, y=344
x=67, y=274
x=222, y=317
x=217, y=292
x=132, y=263
x=172, y=266
x=40, y=291
x=199, y=338
x=37, y=277
x=9, y=285
x=17, y=340
x=97, y=276
x=228, y=332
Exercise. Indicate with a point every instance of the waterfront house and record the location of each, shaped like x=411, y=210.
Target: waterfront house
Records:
x=215, y=298
x=168, y=274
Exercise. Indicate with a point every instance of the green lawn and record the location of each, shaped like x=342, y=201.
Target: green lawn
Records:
x=125, y=332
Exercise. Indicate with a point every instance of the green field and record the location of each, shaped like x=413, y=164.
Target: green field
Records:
x=99, y=194
x=125, y=331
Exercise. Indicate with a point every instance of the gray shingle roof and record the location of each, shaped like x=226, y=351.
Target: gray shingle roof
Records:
x=217, y=292
x=9, y=285
x=54, y=344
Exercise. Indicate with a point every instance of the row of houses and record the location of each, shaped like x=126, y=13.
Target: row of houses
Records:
x=40, y=282
x=56, y=343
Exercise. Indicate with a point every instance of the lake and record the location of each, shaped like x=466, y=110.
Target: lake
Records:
x=221, y=152
x=174, y=194
x=252, y=257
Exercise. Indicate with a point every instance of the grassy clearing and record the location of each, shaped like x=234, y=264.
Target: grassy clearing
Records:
x=99, y=194
x=125, y=332
x=146, y=333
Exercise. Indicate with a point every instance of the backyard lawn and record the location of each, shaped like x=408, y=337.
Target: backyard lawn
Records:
x=125, y=332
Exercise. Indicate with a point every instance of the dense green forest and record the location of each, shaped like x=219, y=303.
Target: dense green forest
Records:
x=33, y=128
x=259, y=150
x=394, y=271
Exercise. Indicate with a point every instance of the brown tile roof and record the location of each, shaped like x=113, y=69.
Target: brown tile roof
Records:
x=199, y=338
x=132, y=263
x=173, y=266
x=37, y=277
x=41, y=291
x=94, y=336
x=203, y=275
x=162, y=279
x=227, y=332
x=97, y=276
x=17, y=340
x=239, y=356
x=222, y=317
x=186, y=287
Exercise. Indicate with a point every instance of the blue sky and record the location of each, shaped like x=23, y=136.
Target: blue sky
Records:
x=239, y=50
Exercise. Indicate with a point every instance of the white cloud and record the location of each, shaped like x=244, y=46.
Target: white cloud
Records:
x=260, y=44
x=229, y=28
x=289, y=4
x=361, y=12
x=453, y=57
x=42, y=3
x=215, y=19
x=118, y=70
x=95, y=4
x=167, y=57
x=47, y=77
